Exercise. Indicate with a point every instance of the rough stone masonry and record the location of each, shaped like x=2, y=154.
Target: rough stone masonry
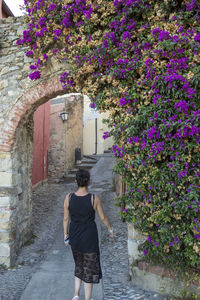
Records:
x=19, y=98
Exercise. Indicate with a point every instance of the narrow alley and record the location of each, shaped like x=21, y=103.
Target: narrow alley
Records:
x=44, y=268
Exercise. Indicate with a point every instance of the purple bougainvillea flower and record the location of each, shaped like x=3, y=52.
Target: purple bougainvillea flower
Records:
x=29, y=53
x=126, y=35
x=52, y=6
x=92, y=105
x=105, y=44
x=45, y=56
x=149, y=239
x=34, y=46
x=57, y=32
x=156, y=244
x=42, y=21
x=35, y=75
x=197, y=37
x=177, y=240
x=123, y=101
x=155, y=31
x=33, y=67
x=106, y=135
x=55, y=50
x=19, y=42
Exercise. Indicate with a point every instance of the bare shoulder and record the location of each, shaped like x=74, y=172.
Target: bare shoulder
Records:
x=66, y=202
x=67, y=196
x=97, y=199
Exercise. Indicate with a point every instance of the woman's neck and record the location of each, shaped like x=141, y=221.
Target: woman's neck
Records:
x=82, y=190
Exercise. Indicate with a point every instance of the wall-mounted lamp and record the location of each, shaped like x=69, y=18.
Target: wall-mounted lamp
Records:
x=64, y=116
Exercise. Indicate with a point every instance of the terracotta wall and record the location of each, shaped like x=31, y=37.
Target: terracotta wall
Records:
x=41, y=143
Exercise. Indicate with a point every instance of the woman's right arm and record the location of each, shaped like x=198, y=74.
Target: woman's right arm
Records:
x=66, y=216
x=102, y=215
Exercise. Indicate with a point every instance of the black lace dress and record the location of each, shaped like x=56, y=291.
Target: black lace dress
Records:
x=84, y=238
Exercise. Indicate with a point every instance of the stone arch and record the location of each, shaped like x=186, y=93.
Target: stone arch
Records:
x=33, y=98
x=19, y=98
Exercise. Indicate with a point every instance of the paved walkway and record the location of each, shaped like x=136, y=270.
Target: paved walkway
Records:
x=54, y=278
x=45, y=268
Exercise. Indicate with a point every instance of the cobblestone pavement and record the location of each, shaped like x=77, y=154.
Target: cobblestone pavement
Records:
x=47, y=212
x=114, y=259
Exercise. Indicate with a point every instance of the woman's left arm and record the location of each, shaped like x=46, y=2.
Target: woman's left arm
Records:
x=66, y=216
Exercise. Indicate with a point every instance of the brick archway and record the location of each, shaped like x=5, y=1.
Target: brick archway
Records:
x=28, y=102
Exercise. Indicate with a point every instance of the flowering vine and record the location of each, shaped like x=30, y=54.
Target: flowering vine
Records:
x=139, y=60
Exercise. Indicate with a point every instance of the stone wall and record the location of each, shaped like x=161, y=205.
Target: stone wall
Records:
x=119, y=185
x=57, y=141
x=155, y=277
x=19, y=98
x=74, y=106
x=64, y=136
x=16, y=195
x=22, y=169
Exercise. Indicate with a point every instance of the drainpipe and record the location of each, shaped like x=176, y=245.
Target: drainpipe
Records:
x=44, y=127
x=96, y=142
x=66, y=149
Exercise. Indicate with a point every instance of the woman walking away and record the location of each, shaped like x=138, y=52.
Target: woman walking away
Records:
x=83, y=235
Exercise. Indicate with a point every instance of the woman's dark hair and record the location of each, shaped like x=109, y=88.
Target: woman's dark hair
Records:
x=82, y=177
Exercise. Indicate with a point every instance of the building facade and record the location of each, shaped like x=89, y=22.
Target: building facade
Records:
x=93, y=130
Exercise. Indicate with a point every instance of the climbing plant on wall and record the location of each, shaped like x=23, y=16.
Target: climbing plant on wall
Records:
x=139, y=60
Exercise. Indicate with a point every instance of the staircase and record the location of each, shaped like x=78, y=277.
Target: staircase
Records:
x=86, y=163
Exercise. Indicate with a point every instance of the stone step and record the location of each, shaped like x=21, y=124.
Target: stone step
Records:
x=69, y=178
x=70, y=175
x=84, y=166
x=90, y=157
x=73, y=171
x=88, y=161
x=107, y=151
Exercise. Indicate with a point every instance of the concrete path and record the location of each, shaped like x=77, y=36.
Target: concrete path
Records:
x=54, y=278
